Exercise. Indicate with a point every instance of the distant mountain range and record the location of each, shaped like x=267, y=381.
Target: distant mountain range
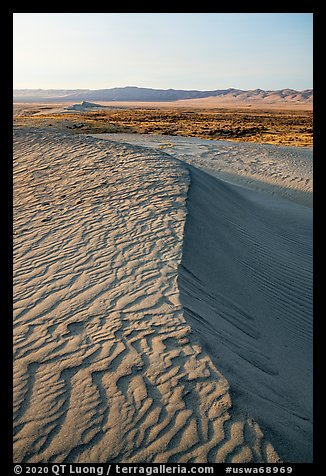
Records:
x=133, y=93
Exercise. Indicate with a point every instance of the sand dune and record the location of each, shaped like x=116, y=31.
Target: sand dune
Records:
x=277, y=170
x=245, y=283
x=111, y=362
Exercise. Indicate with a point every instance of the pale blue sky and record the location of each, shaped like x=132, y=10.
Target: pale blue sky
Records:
x=163, y=50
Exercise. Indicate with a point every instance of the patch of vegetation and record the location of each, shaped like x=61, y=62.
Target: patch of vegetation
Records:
x=275, y=127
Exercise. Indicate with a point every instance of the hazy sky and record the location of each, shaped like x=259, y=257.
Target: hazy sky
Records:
x=163, y=50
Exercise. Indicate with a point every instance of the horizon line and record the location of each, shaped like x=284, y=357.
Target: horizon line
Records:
x=157, y=88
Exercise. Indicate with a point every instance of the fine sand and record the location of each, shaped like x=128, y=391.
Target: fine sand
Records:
x=277, y=170
x=245, y=284
x=36, y=108
x=160, y=314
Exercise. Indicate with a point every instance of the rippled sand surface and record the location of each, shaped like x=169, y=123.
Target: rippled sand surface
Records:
x=132, y=330
x=277, y=170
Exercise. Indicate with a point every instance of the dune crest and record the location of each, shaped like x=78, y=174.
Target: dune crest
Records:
x=105, y=366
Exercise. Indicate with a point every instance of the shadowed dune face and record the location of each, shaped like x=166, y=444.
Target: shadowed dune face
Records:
x=105, y=366
x=245, y=283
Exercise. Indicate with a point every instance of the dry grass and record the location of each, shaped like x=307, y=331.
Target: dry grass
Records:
x=275, y=127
